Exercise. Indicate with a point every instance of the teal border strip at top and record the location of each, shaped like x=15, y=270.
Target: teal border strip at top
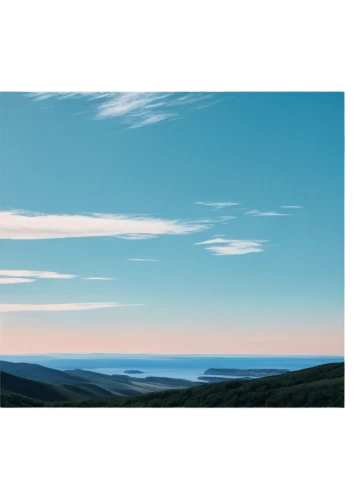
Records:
x=257, y=4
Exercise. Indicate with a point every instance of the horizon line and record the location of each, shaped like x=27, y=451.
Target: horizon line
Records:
x=164, y=354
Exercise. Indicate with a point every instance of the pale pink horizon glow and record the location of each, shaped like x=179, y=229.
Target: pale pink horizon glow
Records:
x=42, y=340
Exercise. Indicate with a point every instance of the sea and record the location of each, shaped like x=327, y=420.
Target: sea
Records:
x=190, y=368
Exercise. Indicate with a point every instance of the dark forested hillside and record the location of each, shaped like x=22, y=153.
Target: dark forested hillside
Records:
x=42, y=391
x=319, y=387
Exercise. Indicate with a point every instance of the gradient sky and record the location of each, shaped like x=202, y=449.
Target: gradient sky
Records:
x=216, y=219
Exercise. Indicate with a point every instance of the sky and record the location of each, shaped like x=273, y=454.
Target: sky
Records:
x=181, y=223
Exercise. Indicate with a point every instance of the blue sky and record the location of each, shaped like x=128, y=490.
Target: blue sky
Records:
x=263, y=283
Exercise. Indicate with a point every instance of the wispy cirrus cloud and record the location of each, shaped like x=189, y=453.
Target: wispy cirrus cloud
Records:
x=137, y=236
x=24, y=276
x=291, y=206
x=81, y=306
x=222, y=246
x=20, y=225
x=13, y=281
x=257, y=213
x=136, y=109
x=35, y=274
x=226, y=218
x=100, y=279
x=217, y=205
x=144, y=260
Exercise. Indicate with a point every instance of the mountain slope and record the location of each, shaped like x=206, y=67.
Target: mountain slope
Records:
x=42, y=391
x=321, y=386
x=38, y=372
x=125, y=385
x=78, y=384
x=87, y=384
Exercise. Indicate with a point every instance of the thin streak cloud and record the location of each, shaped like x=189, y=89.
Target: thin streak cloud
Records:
x=222, y=246
x=217, y=205
x=100, y=279
x=5, y=308
x=291, y=206
x=144, y=260
x=35, y=274
x=19, y=225
x=135, y=109
x=22, y=276
x=257, y=213
x=225, y=218
x=13, y=281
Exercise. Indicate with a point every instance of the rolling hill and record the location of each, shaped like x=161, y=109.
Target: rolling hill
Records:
x=80, y=384
x=124, y=385
x=48, y=392
x=38, y=372
x=117, y=384
x=321, y=386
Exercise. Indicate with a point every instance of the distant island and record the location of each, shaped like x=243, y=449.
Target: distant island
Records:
x=255, y=373
x=133, y=372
